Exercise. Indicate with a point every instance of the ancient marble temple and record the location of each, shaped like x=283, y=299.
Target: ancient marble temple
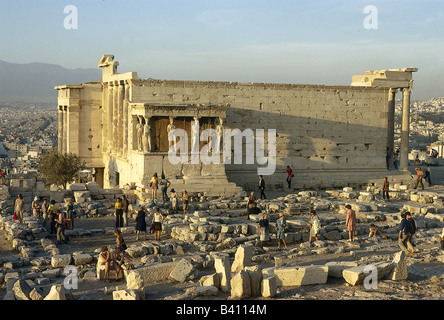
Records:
x=329, y=135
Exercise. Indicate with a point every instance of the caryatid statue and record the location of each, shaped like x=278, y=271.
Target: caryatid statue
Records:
x=171, y=139
x=220, y=133
x=147, y=136
x=139, y=128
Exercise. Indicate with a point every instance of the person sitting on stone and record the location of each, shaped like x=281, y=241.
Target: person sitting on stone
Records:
x=105, y=260
x=118, y=259
x=374, y=230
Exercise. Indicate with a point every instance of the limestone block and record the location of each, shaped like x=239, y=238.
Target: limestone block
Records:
x=335, y=268
x=57, y=292
x=125, y=295
x=141, y=277
x=242, y=258
x=269, y=287
x=21, y=290
x=60, y=261
x=182, y=270
x=222, y=266
x=356, y=275
x=241, y=285
x=202, y=291
x=255, y=274
x=399, y=270
x=35, y=295
x=299, y=276
x=210, y=280
x=80, y=259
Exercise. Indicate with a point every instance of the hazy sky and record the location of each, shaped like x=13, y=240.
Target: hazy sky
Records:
x=307, y=42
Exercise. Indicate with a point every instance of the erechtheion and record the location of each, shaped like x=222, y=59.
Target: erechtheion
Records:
x=330, y=135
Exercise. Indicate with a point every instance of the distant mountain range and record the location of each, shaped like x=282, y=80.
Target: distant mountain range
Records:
x=33, y=83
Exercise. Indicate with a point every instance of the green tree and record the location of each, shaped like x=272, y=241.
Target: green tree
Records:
x=60, y=168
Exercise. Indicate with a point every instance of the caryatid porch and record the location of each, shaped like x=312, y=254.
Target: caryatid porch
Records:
x=150, y=125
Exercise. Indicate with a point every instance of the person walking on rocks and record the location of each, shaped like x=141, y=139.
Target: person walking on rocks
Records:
x=174, y=197
x=157, y=222
x=119, y=213
x=281, y=225
x=262, y=187
x=70, y=212
x=419, y=176
x=350, y=222
x=140, y=222
x=412, y=221
x=264, y=230
x=185, y=199
x=290, y=176
x=35, y=207
x=53, y=210
x=315, y=226
x=154, y=185
x=60, y=221
x=125, y=205
x=405, y=228
x=385, y=189
x=19, y=207
x=427, y=176
x=164, y=184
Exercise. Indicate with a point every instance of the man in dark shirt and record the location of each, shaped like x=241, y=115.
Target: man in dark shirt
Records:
x=405, y=229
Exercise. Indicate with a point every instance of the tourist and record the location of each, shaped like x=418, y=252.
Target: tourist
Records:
x=185, y=199
x=350, y=222
x=125, y=205
x=44, y=211
x=119, y=213
x=60, y=221
x=35, y=207
x=385, y=189
x=157, y=223
x=118, y=259
x=412, y=221
x=281, y=226
x=262, y=187
x=140, y=222
x=2, y=177
x=315, y=226
x=419, y=176
x=105, y=260
x=252, y=205
x=387, y=158
x=120, y=241
x=374, y=230
x=154, y=184
x=264, y=229
x=19, y=207
x=396, y=159
x=405, y=229
x=70, y=213
x=417, y=161
x=174, y=197
x=53, y=210
x=290, y=176
x=427, y=176
x=164, y=185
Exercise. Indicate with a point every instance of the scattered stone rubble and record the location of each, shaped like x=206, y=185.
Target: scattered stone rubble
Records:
x=225, y=256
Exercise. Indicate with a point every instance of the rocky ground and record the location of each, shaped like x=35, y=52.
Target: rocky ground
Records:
x=189, y=237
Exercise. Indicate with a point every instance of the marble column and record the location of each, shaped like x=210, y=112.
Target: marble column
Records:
x=60, y=130
x=405, y=130
x=125, y=119
x=391, y=123
x=115, y=117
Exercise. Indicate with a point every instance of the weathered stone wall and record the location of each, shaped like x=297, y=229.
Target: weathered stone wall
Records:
x=329, y=135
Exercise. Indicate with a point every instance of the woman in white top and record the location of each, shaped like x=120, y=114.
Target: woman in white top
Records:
x=157, y=223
